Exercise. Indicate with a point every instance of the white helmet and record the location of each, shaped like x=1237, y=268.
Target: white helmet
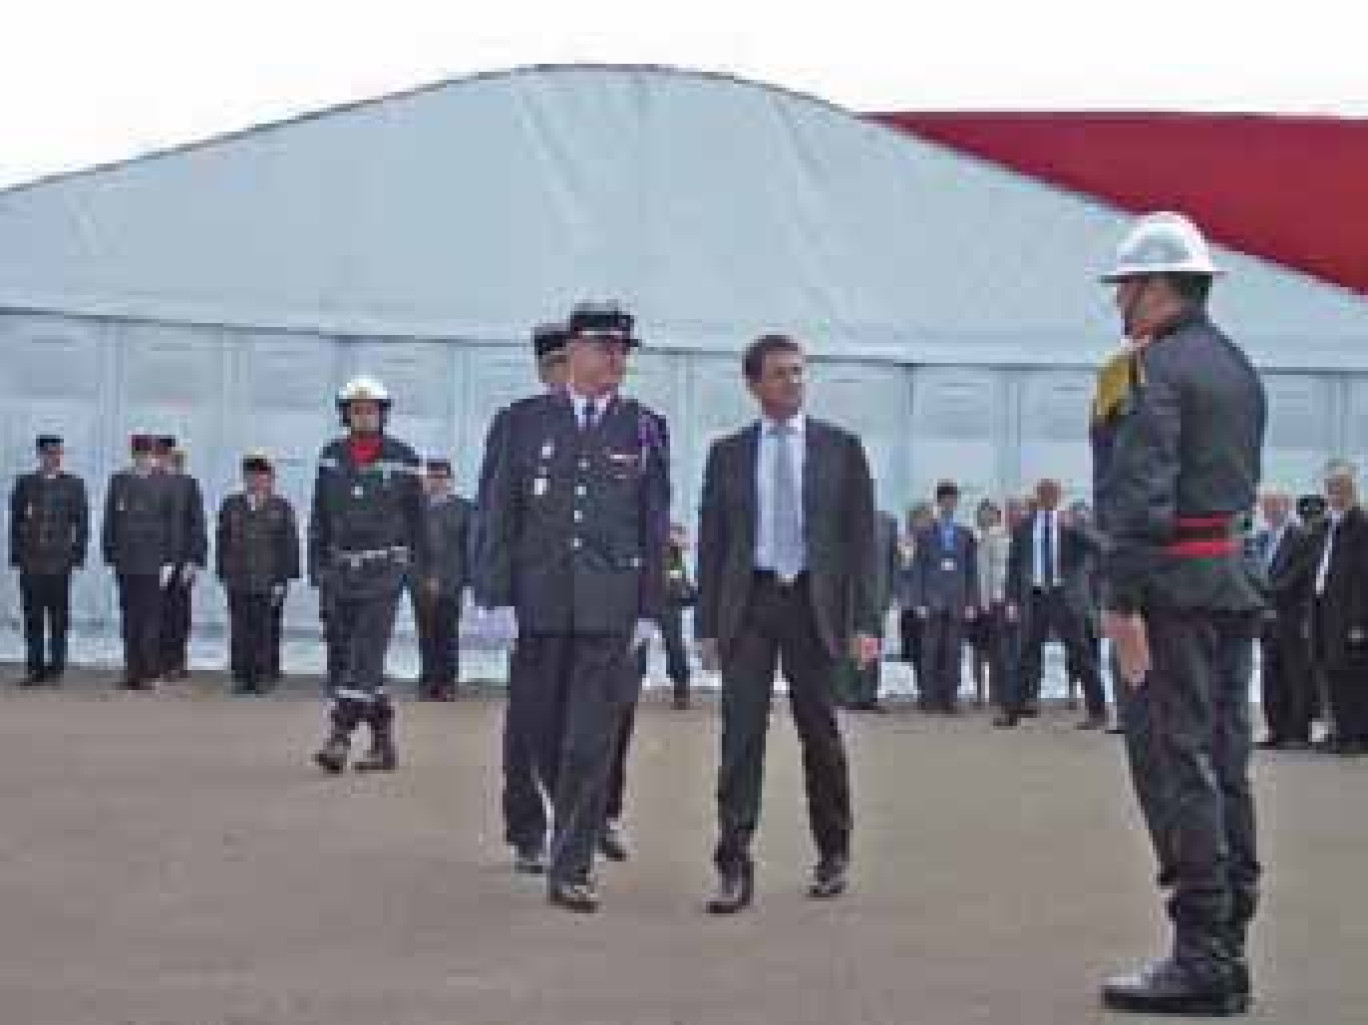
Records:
x=363, y=388
x=1162, y=243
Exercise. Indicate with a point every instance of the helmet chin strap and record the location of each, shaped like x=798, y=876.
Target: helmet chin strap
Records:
x=1130, y=313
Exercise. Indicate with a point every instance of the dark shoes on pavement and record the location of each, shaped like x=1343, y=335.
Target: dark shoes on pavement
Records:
x=1170, y=987
x=573, y=896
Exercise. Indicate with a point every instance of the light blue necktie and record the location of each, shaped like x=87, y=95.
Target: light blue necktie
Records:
x=786, y=527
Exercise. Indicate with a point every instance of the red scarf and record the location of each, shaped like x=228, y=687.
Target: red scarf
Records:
x=365, y=449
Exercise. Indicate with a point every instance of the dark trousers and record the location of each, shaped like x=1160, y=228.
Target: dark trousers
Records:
x=1049, y=612
x=277, y=630
x=47, y=611
x=778, y=630
x=1346, y=683
x=1288, y=687
x=249, y=636
x=994, y=652
x=1188, y=742
x=438, y=618
x=942, y=644
x=587, y=690
x=361, y=611
x=676, y=653
x=534, y=724
x=175, y=624
x=140, y=599
x=909, y=637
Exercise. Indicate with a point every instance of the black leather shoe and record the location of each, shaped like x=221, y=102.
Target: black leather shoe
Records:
x=680, y=703
x=332, y=757
x=1271, y=744
x=1006, y=721
x=33, y=680
x=381, y=757
x=1030, y=710
x=1168, y=987
x=1093, y=722
x=613, y=842
x=529, y=860
x=735, y=892
x=581, y=897
x=829, y=879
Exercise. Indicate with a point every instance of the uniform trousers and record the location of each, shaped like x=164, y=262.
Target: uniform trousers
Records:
x=47, y=607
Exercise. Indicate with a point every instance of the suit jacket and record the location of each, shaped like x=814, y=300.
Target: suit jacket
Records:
x=574, y=524
x=448, y=544
x=945, y=579
x=192, y=534
x=1343, y=608
x=838, y=524
x=887, y=560
x=254, y=550
x=141, y=531
x=49, y=523
x=1077, y=557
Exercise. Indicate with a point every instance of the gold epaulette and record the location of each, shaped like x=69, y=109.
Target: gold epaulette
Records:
x=1116, y=379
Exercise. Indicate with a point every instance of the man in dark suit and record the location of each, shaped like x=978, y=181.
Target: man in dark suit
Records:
x=1049, y=592
x=1289, y=695
x=139, y=538
x=49, y=534
x=575, y=517
x=530, y=756
x=680, y=594
x=785, y=572
x=945, y=586
x=256, y=555
x=1339, y=611
x=190, y=557
x=437, y=595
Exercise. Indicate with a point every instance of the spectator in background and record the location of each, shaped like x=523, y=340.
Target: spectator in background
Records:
x=987, y=636
x=1085, y=596
x=919, y=518
x=1339, y=611
x=1287, y=683
x=945, y=595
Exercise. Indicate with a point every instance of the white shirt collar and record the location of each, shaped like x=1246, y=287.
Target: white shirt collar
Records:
x=579, y=401
x=797, y=424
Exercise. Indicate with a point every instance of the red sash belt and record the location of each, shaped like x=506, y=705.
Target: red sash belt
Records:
x=1202, y=537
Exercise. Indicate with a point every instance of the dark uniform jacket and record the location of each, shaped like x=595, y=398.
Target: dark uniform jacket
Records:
x=1343, y=607
x=141, y=532
x=192, y=535
x=838, y=519
x=1288, y=578
x=256, y=549
x=366, y=510
x=1178, y=431
x=575, y=523
x=49, y=524
x=448, y=524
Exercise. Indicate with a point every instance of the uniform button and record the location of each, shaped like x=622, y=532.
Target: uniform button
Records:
x=584, y=464
x=576, y=543
x=581, y=491
x=579, y=516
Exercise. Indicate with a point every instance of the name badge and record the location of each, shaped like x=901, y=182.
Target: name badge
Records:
x=539, y=487
x=949, y=565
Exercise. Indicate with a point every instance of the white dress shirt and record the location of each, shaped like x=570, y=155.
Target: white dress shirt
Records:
x=581, y=402
x=1323, y=571
x=1045, y=521
x=764, y=483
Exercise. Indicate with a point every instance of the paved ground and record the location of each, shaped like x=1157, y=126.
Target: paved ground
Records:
x=173, y=860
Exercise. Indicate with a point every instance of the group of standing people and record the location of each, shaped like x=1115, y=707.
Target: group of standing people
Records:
x=571, y=542
x=152, y=538
x=1002, y=589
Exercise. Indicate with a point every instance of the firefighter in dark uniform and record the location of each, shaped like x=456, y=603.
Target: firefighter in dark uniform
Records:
x=1178, y=429
x=49, y=535
x=366, y=535
x=139, y=540
x=530, y=756
x=438, y=593
x=187, y=561
x=256, y=554
x=576, y=512
x=277, y=626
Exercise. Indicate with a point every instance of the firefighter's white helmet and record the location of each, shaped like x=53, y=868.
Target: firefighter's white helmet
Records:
x=1162, y=243
x=363, y=388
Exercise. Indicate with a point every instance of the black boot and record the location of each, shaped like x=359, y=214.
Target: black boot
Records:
x=382, y=756
x=1197, y=979
x=332, y=757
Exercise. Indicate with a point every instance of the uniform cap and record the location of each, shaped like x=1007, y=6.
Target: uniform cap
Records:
x=602, y=320
x=549, y=338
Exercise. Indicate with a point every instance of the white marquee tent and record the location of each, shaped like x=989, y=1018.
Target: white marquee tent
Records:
x=222, y=291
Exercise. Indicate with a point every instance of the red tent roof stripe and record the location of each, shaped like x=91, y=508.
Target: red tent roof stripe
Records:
x=1290, y=189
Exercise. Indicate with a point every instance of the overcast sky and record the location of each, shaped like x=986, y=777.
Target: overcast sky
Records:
x=87, y=82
